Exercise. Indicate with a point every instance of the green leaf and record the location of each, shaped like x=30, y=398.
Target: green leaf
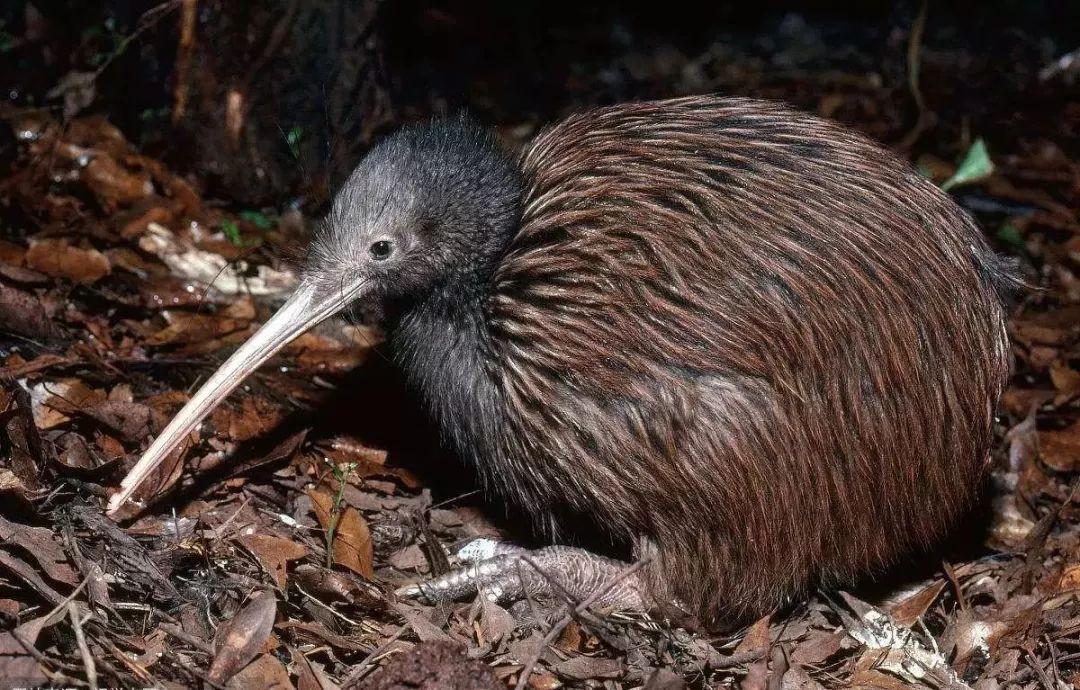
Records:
x=150, y=114
x=232, y=231
x=976, y=166
x=292, y=138
x=1010, y=235
x=257, y=219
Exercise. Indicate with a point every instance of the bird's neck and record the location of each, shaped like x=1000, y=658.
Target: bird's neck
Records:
x=443, y=344
x=443, y=340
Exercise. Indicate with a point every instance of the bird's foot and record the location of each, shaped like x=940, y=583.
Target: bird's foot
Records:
x=504, y=573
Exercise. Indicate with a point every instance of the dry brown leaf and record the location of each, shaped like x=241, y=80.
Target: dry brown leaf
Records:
x=571, y=638
x=310, y=675
x=327, y=585
x=265, y=673
x=273, y=553
x=543, y=681
x=110, y=446
x=757, y=638
x=11, y=253
x=57, y=258
x=495, y=621
x=1070, y=579
x=1051, y=328
x=121, y=393
x=242, y=637
x=133, y=222
x=1060, y=450
x=441, y=665
x=318, y=633
x=187, y=329
x=352, y=546
x=13, y=487
x=252, y=418
x=130, y=420
x=167, y=403
x=350, y=449
x=409, y=558
x=1066, y=381
x=15, y=367
x=908, y=611
x=24, y=448
x=23, y=276
x=1020, y=401
x=343, y=349
x=421, y=625
x=114, y=185
x=797, y=679
x=816, y=648
x=368, y=462
x=24, y=314
x=41, y=544
x=868, y=677
x=15, y=662
x=55, y=402
x=589, y=668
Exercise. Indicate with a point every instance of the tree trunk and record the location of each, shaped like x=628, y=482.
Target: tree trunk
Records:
x=277, y=97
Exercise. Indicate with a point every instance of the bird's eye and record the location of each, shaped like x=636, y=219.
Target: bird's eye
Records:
x=380, y=250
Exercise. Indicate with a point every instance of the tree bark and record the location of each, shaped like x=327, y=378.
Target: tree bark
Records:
x=277, y=98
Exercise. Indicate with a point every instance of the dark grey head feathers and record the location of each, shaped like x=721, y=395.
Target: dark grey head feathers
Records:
x=426, y=207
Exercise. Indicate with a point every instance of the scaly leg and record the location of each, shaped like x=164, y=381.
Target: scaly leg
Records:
x=505, y=573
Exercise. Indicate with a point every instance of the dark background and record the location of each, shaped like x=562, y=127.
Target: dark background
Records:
x=323, y=78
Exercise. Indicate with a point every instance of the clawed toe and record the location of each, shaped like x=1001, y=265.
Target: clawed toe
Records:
x=505, y=573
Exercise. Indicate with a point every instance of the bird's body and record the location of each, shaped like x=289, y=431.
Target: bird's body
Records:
x=747, y=342
x=741, y=338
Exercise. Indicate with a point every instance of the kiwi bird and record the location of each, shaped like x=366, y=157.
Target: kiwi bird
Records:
x=749, y=345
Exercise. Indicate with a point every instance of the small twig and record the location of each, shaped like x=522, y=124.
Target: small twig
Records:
x=184, y=49
x=45, y=662
x=84, y=649
x=147, y=21
x=273, y=44
x=596, y=622
x=1044, y=679
x=132, y=606
x=182, y=635
x=357, y=672
x=144, y=677
x=330, y=609
x=528, y=595
x=219, y=531
x=68, y=599
x=913, y=66
x=1052, y=648
x=341, y=475
x=951, y=575
x=740, y=658
x=452, y=499
x=557, y=629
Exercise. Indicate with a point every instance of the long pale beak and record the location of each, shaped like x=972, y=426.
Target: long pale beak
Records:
x=307, y=307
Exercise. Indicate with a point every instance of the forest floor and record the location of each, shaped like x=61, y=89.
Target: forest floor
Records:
x=108, y=325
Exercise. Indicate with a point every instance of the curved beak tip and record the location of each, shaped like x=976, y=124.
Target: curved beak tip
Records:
x=307, y=307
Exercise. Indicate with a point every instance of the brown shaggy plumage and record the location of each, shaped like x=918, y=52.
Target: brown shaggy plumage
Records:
x=746, y=339
x=750, y=344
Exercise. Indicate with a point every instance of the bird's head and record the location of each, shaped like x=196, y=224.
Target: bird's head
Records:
x=429, y=208
x=426, y=207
